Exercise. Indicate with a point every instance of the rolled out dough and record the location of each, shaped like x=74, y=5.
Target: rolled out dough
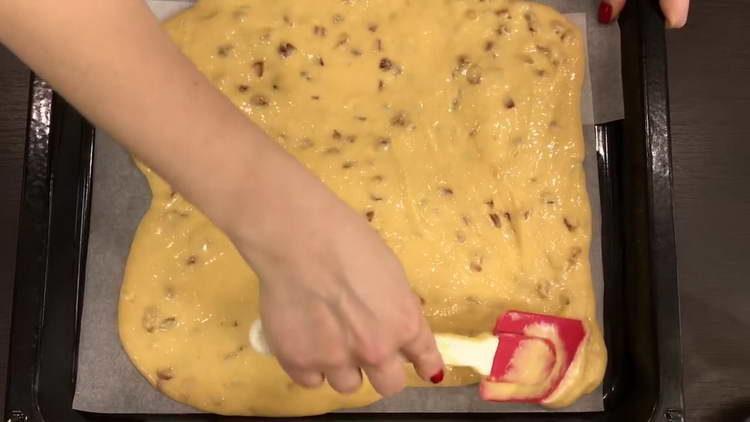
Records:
x=453, y=126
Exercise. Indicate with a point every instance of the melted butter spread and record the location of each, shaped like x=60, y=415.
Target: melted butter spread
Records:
x=530, y=363
x=452, y=126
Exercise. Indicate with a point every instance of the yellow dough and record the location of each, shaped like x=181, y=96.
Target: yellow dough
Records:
x=453, y=126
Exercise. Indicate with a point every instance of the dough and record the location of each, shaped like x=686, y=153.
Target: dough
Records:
x=452, y=126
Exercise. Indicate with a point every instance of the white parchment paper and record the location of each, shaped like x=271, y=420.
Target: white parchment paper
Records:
x=107, y=382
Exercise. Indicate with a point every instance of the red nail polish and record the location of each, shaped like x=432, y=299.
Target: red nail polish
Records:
x=605, y=12
x=437, y=378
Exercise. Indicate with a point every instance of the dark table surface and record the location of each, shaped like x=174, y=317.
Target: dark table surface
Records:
x=710, y=94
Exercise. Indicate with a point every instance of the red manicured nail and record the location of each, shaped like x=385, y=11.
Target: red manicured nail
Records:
x=437, y=378
x=605, y=12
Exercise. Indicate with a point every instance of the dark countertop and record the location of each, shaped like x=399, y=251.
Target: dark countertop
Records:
x=14, y=89
x=710, y=93
x=710, y=98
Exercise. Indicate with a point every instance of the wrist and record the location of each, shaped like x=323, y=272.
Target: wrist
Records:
x=271, y=198
x=286, y=212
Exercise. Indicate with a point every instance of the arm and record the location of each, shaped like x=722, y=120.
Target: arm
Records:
x=112, y=61
x=119, y=70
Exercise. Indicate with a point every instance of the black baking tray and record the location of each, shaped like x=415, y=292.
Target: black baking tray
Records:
x=641, y=305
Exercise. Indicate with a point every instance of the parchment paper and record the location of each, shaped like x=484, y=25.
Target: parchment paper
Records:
x=107, y=382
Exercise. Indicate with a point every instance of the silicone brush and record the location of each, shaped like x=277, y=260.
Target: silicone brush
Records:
x=522, y=371
x=523, y=360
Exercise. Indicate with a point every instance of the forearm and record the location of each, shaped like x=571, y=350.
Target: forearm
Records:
x=114, y=63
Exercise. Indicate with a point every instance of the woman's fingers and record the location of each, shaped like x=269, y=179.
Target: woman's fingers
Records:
x=676, y=12
x=307, y=379
x=423, y=353
x=346, y=380
x=388, y=378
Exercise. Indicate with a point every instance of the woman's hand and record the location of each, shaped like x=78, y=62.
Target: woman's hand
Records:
x=334, y=298
x=675, y=11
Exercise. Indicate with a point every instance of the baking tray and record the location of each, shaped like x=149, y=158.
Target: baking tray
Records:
x=641, y=304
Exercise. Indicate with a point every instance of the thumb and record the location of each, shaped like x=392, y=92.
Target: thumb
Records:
x=676, y=12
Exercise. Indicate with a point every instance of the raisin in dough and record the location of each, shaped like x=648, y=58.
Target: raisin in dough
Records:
x=452, y=126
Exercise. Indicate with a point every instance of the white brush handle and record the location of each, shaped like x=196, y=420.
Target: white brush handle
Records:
x=477, y=353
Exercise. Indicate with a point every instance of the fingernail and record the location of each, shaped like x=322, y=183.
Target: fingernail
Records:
x=437, y=378
x=605, y=12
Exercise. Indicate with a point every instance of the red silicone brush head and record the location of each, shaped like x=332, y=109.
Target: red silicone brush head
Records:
x=533, y=355
x=508, y=364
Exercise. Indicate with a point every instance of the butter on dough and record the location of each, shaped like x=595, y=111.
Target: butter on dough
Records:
x=452, y=126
